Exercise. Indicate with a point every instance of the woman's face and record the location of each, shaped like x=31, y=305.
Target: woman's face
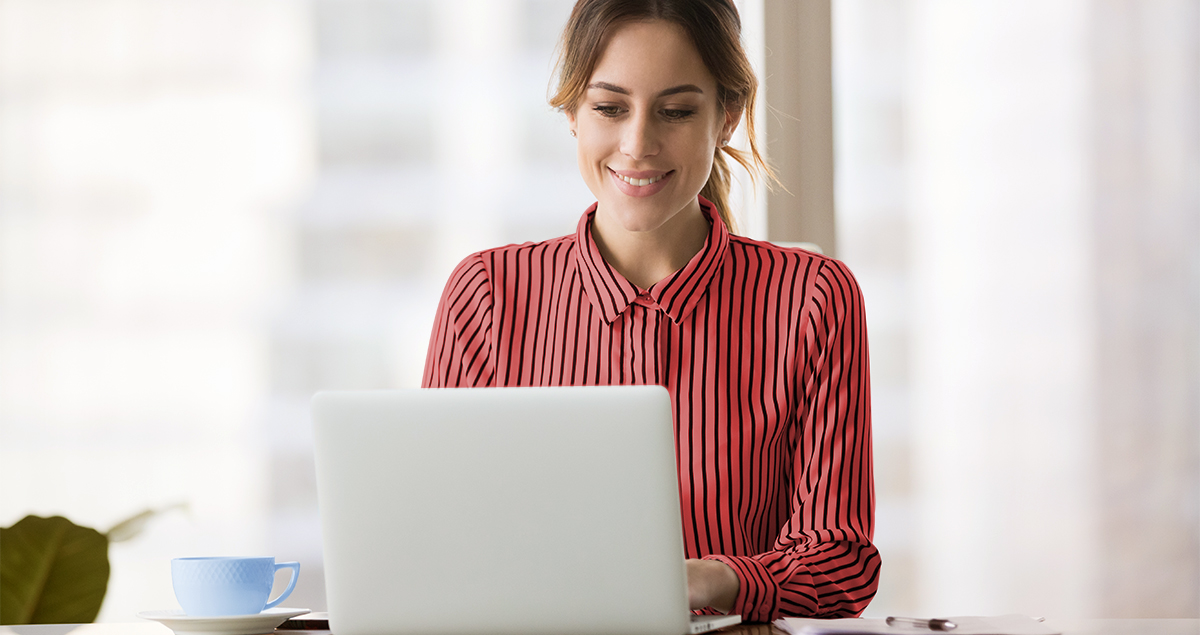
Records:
x=648, y=126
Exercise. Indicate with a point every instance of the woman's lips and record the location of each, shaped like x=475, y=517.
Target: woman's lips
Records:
x=640, y=183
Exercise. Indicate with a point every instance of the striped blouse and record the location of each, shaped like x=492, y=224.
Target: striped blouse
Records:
x=763, y=350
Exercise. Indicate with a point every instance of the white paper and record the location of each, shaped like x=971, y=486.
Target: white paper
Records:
x=964, y=625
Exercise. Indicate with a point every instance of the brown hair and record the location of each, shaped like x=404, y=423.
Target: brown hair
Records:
x=714, y=28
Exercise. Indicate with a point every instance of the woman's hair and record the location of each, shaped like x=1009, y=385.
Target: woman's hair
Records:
x=714, y=28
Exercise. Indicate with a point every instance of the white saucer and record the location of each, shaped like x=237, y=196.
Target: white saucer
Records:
x=257, y=624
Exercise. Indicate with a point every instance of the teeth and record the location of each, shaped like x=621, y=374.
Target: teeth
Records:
x=640, y=182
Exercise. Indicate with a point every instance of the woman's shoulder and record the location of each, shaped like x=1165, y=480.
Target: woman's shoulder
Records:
x=806, y=253
x=490, y=260
x=803, y=260
x=525, y=249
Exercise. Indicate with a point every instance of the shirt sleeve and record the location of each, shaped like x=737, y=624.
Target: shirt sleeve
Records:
x=460, y=348
x=823, y=563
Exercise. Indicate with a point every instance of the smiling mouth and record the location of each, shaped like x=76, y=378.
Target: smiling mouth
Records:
x=636, y=182
x=640, y=182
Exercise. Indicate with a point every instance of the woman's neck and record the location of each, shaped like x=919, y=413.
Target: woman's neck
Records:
x=644, y=258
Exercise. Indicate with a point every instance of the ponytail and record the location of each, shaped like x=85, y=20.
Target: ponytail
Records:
x=716, y=190
x=720, y=178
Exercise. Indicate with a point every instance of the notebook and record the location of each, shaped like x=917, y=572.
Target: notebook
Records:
x=502, y=510
x=963, y=625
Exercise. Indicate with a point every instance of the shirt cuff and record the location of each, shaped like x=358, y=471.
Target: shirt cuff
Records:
x=758, y=594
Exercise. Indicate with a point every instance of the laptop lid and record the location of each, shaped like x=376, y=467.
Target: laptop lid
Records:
x=500, y=510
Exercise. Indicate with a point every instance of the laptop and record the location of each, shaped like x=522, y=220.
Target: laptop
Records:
x=502, y=510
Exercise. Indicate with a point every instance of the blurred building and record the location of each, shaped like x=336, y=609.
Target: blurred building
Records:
x=1018, y=192
x=434, y=140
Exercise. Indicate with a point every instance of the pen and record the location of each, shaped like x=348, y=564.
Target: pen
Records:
x=933, y=625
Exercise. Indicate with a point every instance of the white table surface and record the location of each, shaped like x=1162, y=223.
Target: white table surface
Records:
x=1069, y=627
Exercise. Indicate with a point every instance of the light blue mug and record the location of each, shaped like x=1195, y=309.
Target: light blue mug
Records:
x=209, y=587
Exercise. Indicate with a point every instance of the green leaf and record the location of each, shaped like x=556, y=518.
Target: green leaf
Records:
x=133, y=526
x=52, y=571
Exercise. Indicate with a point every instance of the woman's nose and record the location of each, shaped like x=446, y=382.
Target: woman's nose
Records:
x=639, y=139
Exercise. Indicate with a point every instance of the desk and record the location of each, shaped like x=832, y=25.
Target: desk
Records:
x=1069, y=627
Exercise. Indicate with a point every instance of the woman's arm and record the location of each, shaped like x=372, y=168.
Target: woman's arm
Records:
x=823, y=563
x=460, y=348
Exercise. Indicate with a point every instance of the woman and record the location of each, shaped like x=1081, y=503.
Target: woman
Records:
x=763, y=349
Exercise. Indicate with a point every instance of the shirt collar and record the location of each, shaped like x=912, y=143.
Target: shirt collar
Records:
x=677, y=294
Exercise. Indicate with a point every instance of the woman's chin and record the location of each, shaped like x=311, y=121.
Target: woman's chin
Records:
x=639, y=215
x=637, y=218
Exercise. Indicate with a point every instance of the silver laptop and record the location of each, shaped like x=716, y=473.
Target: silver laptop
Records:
x=502, y=510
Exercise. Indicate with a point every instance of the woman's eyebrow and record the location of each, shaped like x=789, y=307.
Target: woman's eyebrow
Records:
x=674, y=90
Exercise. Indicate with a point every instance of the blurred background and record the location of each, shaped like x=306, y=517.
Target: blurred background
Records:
x=209, y=209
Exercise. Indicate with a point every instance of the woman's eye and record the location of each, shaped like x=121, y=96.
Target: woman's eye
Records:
x=677, y=114
x=608, y=111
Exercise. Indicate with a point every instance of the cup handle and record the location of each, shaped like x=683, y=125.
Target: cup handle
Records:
x=295, y=567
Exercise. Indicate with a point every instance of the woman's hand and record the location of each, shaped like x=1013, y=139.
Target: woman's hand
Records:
x=711, y=583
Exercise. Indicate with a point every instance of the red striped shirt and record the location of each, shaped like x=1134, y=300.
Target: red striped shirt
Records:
x=764, y=352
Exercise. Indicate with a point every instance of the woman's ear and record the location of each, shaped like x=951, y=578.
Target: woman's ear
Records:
x=733, y=116
x=571, y=123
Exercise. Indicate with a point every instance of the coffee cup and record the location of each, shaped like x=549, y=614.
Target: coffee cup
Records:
x=210, y=587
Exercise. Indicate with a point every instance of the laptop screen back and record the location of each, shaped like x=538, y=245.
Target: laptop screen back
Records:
x=500, y=510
